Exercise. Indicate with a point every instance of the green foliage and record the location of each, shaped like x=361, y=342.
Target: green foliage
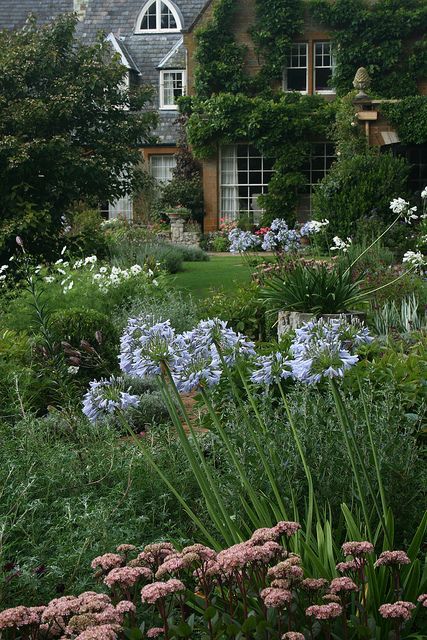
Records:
x=319, y=290
x=409, y=118
x=278, y=23
x=280, y=127
x=403, y=318
x=358, y=188
x=85, y=236
x=220, y=60
x=169, y=256
x=188, y=193
x=65, y=127
x=75, y=490
x=387, y=37
x=93, y=327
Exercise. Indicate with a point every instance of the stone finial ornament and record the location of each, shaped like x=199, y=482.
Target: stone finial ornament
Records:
x=362, y=81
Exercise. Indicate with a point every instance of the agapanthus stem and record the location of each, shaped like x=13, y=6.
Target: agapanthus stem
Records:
x=373, y=243
x=304, y=463
x=344, y=426
x=375, y=459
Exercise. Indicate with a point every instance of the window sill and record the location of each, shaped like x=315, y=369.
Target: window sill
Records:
x=155, y=31
x=169, y=108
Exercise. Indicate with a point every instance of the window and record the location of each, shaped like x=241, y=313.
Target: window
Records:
x=245, y=175
x=161, y=167
x=323, y=67
x=172, y=87
x=121, y=208
x=295, y=76
x=158, y=15
x=321, y=158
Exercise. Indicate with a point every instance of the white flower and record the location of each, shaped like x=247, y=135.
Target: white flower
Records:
x=60, y=261
x=49, y=279
x=103, y=270
x=2, y=277
x=63, y=250
x=61, y=271
x=73, y=370
x=415, y=260
x=4, y=267
x=97, y=276
x=341, y=245
x=78, y=264
x=136, y=269
x=156, y=284
x=424, y=194
x=90, y=260
x=398, y=205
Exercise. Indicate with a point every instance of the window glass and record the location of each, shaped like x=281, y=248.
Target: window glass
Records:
x=172, y=87
x=296, y=72
x=167, y=20
x=162, y=166
x=244, y=176
x=149, y=21
x=323, y=66
x=159, y=16
x=317, y=166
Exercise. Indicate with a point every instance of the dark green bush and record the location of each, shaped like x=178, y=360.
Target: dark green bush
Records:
x=75, y=325
x=360, y=188
x=86, y=236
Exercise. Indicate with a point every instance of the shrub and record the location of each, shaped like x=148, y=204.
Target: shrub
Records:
x=192, y=254
x=168, y=256
x=358, y=188
x=85, y=236
x=77, y=325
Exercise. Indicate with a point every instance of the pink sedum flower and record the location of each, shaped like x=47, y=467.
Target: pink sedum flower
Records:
x=20, y=617
x=126, y=577
x=155, y=632
x=341, y=585
x=293, y=635
x=276, y=598
x=390, y=558
x=399, y=610
x=423, y=599
x=324, y=611
x=357, y=548
x=107, y=562
x=153, y=592
x=314, y=584
x=344, y=567
x=126, y=548
x=103, y=632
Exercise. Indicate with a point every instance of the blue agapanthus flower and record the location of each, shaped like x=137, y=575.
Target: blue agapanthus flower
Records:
x=323, y=349
x=144, y=348
x=196, y=366
x=281, y=238
x=271, y=369
x=106, y=397
x=217, y=332
x=241, y=241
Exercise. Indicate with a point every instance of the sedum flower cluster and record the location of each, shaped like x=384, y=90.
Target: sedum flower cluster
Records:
x=259, y=577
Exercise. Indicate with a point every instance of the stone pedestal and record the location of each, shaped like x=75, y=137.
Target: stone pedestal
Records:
x=177, y=231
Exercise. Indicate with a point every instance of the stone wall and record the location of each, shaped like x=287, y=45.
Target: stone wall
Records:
x=179, y=236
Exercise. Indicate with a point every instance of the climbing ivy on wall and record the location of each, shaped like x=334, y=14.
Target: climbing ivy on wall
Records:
x=388, y=37
x=409, y=118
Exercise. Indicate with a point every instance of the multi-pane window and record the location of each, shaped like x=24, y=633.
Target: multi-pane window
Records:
x=245, y=175
x=172, y=87
x=323, y=67
x=296, y=73
x=321, y=158
x=159, y=15
x=162, y=166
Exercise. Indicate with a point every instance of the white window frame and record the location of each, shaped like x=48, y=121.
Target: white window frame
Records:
x=331, y=90
x=229, y=189
x=160, y=157
x=163, y=104
x=158, y=28
x=285, y=71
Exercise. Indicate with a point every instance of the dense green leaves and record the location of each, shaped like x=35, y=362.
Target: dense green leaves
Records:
x=68, y=129
x=409, y=117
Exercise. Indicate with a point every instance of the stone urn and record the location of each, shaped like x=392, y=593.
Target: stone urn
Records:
x=291, y=320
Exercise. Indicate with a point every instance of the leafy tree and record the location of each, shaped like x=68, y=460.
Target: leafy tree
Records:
x=69, y=130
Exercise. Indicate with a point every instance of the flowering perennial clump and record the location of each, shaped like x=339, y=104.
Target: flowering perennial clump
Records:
x=202, y=591
x=241, y=241
x=105, y=397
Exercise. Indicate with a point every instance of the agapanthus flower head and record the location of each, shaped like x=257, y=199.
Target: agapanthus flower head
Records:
x=281, y=238
x=399, y=206
x=313, y=227
x=416, y=260
x=106, y=397
x=324, y=611
x=145, y=346
x=217, y=333
x=357, y=549
x=271, y=369
x=241, y=241
x=400, y=610
x=196, y=367
x=341, y=245
x=322, y=349
x=390, y=558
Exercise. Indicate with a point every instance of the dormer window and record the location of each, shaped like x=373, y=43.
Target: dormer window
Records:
x=158, y=15
x=172, y=87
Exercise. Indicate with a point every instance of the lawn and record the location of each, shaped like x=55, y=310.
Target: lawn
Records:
x=221, y=272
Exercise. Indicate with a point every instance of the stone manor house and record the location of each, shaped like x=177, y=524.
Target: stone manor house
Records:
x=155, y=39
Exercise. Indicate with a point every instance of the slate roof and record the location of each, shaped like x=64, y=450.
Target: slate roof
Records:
x=14, y=14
